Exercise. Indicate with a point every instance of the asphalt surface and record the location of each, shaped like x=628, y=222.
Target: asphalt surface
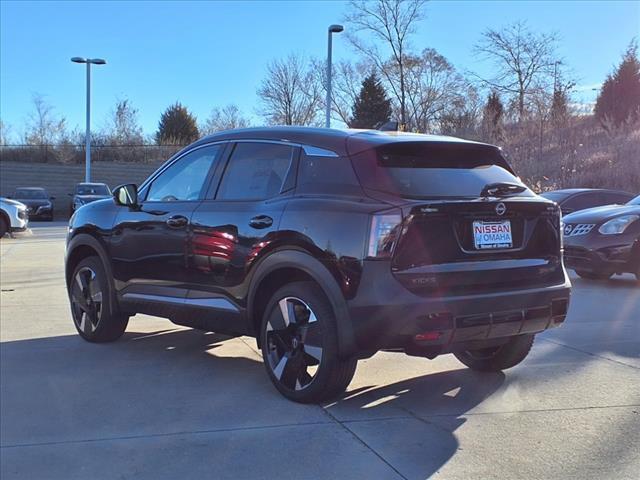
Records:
x=171, y=403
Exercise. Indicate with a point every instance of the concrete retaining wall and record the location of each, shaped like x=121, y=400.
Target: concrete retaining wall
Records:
x=60, y=180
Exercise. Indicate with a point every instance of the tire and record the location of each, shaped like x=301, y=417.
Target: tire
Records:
x=495, y=359
x=593, y=275
x=4, y=228
x=90, y=297
x=299, y=341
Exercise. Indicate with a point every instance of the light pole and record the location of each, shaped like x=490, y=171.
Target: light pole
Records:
x=332, y=29
x=88, y=61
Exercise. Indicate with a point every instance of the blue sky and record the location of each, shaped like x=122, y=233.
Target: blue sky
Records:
x=207, y=54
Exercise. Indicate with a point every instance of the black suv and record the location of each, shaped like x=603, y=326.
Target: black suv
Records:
x=327, y=246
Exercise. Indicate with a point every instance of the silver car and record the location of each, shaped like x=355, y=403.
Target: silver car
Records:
x=13, y=216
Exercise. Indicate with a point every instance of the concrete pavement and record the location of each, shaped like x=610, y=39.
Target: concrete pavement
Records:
x=167, y=402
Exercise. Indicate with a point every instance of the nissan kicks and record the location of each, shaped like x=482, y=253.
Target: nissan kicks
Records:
x=327, y=246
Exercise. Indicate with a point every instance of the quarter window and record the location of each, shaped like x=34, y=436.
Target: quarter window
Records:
x=185, y=179
x=256, y=171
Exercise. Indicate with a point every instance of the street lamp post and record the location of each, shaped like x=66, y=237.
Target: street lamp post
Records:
x=88, y=61
x=332, y=29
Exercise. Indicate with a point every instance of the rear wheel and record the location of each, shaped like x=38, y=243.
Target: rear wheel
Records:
x=494, y=359
x=593, y=275
x=300, y=345
x=90, y=296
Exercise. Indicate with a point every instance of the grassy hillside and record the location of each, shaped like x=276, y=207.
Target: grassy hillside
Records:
x=578, y=154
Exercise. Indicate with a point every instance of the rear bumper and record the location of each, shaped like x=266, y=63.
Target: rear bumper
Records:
x=385, y=315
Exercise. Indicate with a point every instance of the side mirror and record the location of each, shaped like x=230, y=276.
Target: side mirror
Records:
x=126, y=195
x=70, y=194
x=52, y=198
x=9, y=196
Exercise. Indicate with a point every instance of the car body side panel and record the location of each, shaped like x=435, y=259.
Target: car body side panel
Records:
x=334, y=228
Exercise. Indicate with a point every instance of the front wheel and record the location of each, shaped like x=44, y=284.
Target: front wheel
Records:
x=90, y=296
x=4, y=228
x=299, y=342
x=494, y=359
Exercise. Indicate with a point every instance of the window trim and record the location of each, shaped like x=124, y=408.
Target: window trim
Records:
x=288, y=183
x=146, y=185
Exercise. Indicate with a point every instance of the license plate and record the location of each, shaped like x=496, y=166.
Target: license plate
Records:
x=487, y=235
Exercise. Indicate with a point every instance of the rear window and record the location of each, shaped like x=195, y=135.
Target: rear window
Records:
x=430, y=169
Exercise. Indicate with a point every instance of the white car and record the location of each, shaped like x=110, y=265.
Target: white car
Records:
x=13, y=216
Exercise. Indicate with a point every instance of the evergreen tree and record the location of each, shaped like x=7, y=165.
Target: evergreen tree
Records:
x=619, y=98
x=559, y=106
x=177, y=126
x=371, y=107
x=493, y=117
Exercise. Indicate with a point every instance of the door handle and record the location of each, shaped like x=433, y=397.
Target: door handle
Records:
x=261, y=221
x=177, y=221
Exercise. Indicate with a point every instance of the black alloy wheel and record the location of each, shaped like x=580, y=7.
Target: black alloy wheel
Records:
x=86, y=300
x=95, y=317
x=300, y=345
x=294, y=344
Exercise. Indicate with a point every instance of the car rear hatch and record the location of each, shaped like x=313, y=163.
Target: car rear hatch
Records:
x=468, y=223
x=439, y=249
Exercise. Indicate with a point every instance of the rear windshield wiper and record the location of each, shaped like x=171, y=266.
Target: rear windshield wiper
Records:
x=501, y=189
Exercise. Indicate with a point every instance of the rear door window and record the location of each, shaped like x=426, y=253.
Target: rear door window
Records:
x=433, y=169
x=256, y=171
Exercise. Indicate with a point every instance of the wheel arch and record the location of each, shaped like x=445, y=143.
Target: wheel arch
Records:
x=85, y=245
x=286, y=266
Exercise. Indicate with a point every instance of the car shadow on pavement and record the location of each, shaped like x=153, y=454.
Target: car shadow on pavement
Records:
x=413, y=422
x=157, y=383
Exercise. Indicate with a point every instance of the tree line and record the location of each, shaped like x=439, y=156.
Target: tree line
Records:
x=390, y=80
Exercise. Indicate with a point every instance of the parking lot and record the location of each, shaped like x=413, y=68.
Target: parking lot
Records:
x=168, y=402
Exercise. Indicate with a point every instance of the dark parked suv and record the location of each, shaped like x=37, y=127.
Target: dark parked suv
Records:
x=327, y=246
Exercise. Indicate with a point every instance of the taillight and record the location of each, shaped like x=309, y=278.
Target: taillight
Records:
x=385, y=229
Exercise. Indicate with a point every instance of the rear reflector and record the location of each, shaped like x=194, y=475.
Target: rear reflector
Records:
x=427, y=336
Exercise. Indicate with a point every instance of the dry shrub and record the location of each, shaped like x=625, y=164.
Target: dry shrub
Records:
x=578, y=153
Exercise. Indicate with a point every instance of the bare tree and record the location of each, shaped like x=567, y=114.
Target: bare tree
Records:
x=43, y=127
x=432, y=86
x=291, y=93
x=524, y=61
x=392, y=22
x=5, y=132
x=225, y=118
x=463, y=116
x=123, y=127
